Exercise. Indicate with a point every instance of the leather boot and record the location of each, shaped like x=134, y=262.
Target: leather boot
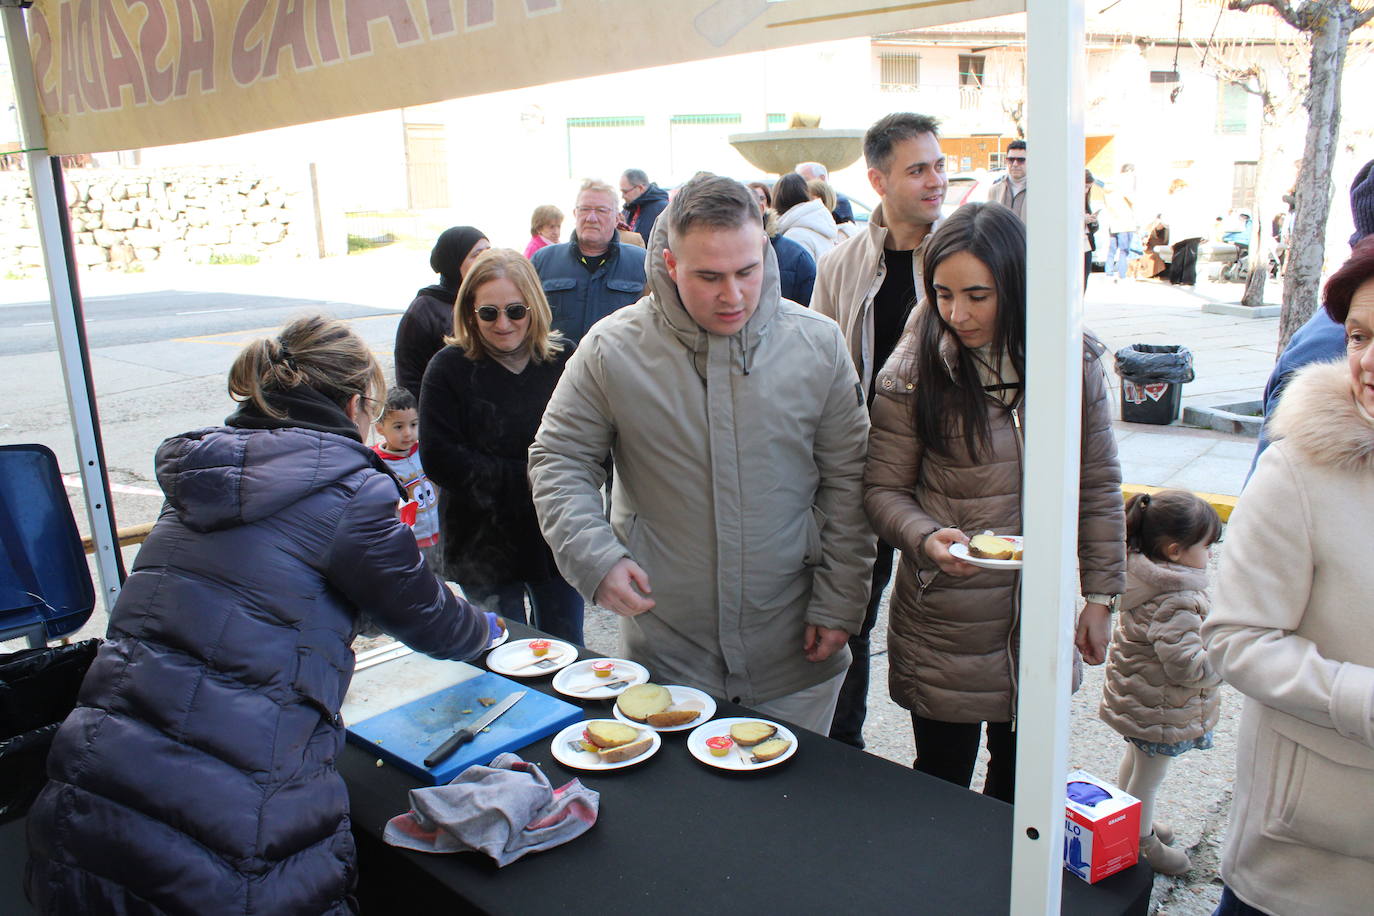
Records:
x=1164, y=832
x=1164, y=859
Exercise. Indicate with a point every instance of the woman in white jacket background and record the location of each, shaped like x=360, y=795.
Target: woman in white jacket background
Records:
x=1293, y=629
x=803, y=219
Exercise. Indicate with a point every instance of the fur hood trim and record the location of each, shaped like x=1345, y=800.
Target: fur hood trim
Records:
x=1319, y=417
x=1146, y=579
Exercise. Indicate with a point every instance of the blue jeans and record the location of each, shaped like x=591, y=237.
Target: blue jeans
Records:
x=1231, y=905
x=1119, y=253
x=556, y=605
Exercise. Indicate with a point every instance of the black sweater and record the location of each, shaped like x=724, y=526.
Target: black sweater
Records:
x=477, y=420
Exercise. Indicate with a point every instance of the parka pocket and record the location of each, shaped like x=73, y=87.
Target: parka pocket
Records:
x=630, y=287
x=1318, y=802
x=558, y=285
x=815, y=549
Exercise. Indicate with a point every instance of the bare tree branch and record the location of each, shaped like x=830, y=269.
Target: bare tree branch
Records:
x=1363, y=18
x=1282, y=7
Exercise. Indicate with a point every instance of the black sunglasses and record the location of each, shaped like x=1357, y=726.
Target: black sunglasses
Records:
x=515, y=311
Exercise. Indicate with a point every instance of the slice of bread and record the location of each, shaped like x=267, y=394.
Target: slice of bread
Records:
x=607, y=734
x=771, y=749
x=642, y=701
x=627, y=751
x=988, y=547
x=672, y=717
x=748, y=734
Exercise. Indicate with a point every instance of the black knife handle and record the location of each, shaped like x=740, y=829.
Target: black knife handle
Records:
x=448, y=747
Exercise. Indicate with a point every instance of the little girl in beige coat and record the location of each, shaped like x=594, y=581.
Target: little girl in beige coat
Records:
x=1160, y=693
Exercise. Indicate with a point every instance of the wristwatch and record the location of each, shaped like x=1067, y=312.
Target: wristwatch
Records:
x=1113, y=602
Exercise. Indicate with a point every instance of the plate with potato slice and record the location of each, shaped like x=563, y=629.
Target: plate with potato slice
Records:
x=604, y=744
x=664, y=709
x=755, y=744
x=990, y=551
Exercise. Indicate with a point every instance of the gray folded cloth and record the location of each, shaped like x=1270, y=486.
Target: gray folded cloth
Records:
x=505, y=810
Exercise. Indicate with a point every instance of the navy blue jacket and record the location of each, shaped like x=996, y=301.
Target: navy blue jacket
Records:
x=196, y=774
x=641, y=214
x=578, y=298
x=1319, y=340
x=796, y=270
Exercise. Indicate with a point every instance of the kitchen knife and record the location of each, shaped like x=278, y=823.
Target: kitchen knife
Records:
x=468, y=732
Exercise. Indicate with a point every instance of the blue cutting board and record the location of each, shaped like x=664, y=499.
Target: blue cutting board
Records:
x=383, y=718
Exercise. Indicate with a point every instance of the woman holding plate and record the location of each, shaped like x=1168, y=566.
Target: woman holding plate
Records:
x=945, y=462
x=480, y=405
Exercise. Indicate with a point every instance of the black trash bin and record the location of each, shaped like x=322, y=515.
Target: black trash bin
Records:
x=1152, y=380
x=38, y=687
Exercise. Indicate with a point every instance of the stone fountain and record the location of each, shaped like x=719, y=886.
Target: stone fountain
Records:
x=778, y=151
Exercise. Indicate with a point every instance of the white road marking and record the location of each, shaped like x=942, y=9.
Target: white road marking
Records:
x=75, y=483
x=209, y=311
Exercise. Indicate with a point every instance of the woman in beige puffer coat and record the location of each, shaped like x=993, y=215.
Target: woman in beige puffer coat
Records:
x=945, y=460
x=1160, y=694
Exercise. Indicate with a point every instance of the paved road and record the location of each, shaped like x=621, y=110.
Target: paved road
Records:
x=150, y=317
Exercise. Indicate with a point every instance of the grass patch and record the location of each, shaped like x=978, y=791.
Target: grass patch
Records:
x=241, y=259
x=367, y=243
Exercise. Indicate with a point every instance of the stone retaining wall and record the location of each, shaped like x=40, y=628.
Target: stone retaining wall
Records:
x=124, y=218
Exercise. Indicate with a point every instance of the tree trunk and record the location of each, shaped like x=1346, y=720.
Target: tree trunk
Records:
x=1330, y=34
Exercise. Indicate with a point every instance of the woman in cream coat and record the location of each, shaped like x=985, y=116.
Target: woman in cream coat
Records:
x=1292, y=629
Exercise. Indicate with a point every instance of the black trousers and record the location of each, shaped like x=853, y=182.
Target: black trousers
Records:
x=949, y=750
x=851, y=709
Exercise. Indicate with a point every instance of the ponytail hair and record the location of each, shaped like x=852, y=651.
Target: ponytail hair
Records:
x=315, y=351
x=1156, y=520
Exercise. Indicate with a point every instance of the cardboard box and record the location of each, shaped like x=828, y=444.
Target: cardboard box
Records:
x=1101, y=828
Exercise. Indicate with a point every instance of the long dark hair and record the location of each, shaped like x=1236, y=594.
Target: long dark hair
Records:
x=945, y=408
x=1156, y=520
x=789, y=192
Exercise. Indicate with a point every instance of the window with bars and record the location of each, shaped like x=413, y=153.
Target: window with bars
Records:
x=971, y=70
x=899, y=71
x=1233, y=108
x=705, y=119
x=776, y=120
x=623, y=121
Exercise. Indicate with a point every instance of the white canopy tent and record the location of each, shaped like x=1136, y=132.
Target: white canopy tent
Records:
x=100, y=75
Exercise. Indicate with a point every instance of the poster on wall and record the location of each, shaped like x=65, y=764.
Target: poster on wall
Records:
x=120, y=74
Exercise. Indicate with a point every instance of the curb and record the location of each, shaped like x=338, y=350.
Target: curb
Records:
x=1224, y=504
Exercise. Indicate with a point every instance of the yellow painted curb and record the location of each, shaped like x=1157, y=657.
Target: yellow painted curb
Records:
x=1222, y=503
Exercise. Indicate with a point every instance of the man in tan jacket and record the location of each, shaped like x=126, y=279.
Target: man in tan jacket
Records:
x=737, y=552
x=869, y=284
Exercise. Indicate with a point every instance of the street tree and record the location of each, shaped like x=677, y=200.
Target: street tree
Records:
x=1327, y=26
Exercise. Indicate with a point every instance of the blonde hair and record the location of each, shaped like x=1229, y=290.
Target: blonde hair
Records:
x=493, y=264
x=545, y=215
x=821, y=190
x=316, y=351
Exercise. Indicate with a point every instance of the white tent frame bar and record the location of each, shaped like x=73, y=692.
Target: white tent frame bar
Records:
x=54, y=232
x=1054, y=372
x=1055, y=68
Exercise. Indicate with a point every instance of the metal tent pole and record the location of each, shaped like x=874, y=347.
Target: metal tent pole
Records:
x=1054, y=347
x=54, y=230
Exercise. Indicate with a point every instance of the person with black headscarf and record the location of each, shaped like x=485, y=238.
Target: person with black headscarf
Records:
x=430, y=316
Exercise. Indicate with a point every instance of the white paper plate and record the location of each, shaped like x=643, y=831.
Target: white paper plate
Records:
x=960, y=551
x=572, y=679
x=682, y=696
x=514, y=658
x=586, y=760
x=737, y=759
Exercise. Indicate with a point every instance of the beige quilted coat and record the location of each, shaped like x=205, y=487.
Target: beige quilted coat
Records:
x=953, y=641
x=1159, y=686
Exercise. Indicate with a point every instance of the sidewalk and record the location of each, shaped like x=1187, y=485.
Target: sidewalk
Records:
x=1232, y=356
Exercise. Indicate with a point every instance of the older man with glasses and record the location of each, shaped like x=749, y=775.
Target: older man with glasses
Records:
x=1010, y=189
x=644, y=201
x=593, y=274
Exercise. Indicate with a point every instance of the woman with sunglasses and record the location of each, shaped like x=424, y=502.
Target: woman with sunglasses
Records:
x=480, y=405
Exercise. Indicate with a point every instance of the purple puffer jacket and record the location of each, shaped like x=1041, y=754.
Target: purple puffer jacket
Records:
x=196, y=774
